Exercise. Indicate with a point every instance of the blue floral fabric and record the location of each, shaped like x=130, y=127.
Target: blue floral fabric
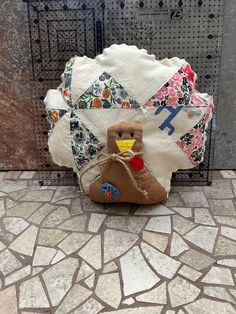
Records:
x=85, y=145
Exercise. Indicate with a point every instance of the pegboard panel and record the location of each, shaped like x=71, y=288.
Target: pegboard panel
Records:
x=59, y=29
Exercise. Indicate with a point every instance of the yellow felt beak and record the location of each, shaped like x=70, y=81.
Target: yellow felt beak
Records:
x=125, y=145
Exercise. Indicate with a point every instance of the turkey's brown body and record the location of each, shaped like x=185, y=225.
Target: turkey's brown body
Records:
x=115, y=173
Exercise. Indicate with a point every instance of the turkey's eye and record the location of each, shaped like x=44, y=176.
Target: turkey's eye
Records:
x=120, y=134
x=132, y=134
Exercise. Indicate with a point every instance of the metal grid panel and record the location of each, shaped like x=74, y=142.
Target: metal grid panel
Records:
x=59, y=29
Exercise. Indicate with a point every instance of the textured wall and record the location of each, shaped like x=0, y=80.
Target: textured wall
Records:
x=17, y=144
x=225, y=141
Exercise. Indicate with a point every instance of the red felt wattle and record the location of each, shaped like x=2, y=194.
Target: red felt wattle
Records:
x=137, y=163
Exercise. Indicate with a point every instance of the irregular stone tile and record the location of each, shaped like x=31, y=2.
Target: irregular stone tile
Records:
x=131, y=224
x=90, y=281
x=154, y=210
x=118, y=209
x=228, y=174
x=63, y=202
x=32, y=294
x=63, y=192
x=182, y=291
x=24, y=209
x=43, y=255
x=174, y=200
x=227, y=262
x=219, y=276
x=95, y=222
x=222, y=207
x=3, y=194
x=6, y=236
x=182, y=225
x=89, y=205
x=2, y=175
x=177, y=245
x=202, y=216
x=225, y=246
x=109, y=267
x=207, y=306
x=76, y=207
x=12, y=175
x=58, y=279
x=189, y=273
x=11, y=186
x=91, y=306
x=159, y=241
x=84, y=271
x=196, y=259
x=74, y=242
x=8, y=262
x=41, y=213
x=8, y=301
x=128, y=301
x=15, y=224
x=183, y=211
x=42, y=195
x=2, y=246
x=228, y=232
x=139, y=310
x=2, y=208
x=74, y=298
x=203, y=237
x=27, y=174
x=92, y=253
x=157, y=295
x=219, y=293
x=19, y=274
x=219, y=189
x=162, y=263
x=234, y=184
x=159, y=224
x=194, y=199
x=24, y=244
x=36, y=270
x=17, y=194
x=103, y=289
x=231, y=221
x=56, y=217
x=51, y=237
x=58, y=257
x=116, y=243
x=10, y=203
x=233, y=292
x=74, y=224
x=136, y=274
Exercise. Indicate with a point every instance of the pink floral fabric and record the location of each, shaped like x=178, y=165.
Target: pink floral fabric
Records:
x=177, y=91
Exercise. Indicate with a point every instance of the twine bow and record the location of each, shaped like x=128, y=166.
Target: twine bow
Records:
x=122, y=158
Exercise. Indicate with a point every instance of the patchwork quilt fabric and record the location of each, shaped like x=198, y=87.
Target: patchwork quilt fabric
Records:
x=161, y=95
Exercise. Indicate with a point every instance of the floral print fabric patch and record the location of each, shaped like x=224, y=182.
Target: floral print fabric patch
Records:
x=193, y=142
x=104, y=93
x=65, y=87
x=54, y=115
x=177, y=91
x=84, y=144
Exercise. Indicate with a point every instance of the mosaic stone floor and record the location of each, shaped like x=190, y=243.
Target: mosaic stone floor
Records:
x=60, y=253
